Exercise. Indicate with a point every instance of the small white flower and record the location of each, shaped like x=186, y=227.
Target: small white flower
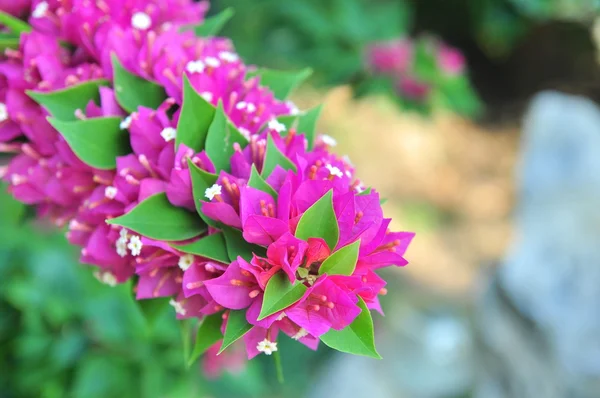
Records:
x=244, y=132
x=301, y=333
x=277, y=126
x=110, y=192
x=228, y=56
x=168, y=134
x=207, y=95
x=178, y=307
x=348, y=174
x=125, y=123
x=185, y=261
x=141, y=20
x=135, y=245
x=281, y=316
x=40, y=10
x=106, y=277
x=241, y=105
x=292, y=108
x=3, y=112
x=328, y=140
x=250, y=107
x=213, y=191
x=334, y=171
x=195, y=66
x=121, y=246
x=266, y=346
x=123, y=233
x=212, y=62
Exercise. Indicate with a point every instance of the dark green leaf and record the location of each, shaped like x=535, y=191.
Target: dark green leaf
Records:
x=212, y=247
x=97, y=142
x=9, y=42
x=208, y=334
x=201, y=180
x=256, y=181
x=151, y=309
x=358, y=338
x=133, y=91
x=280, y=294
x=220, y=139
x=237, y=326
x=274, y=157
x=282, y=83
x=342, y=262
x=213, y=25
x=62, y=104
x=14, y=24
x=237, y=245
x=194, y=120
x=156, y=218
x=319, y=221
x=307, y=124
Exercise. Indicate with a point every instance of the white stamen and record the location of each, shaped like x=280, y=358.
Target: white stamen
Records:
x=123, y=233
x=348, y=174
x=207, y=95
x=359, y=189
x=121, y=246
x=3, y=112
x=328, y=140
x=267, y=347
x=125, y=123
x=106, y=277
x=40, y=10
x=241, y=105
x=301, y=333
x=135, y=245
x=334, y=171
x=168, y=134
x=277, y=126
x=110, y=192
x=281, y=316
x=228, y=56
x=141, y=20
x=211, y=192
x=212, y=62
x=244, y=132
x=178, y=307
x=185, y=261
x=292, y=108
x=250, y=107
x=195, y=66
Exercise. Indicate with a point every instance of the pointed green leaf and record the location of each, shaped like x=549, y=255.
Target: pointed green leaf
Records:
x=358, y=338
x=282, y=83
x=208, y=334
x=14, y=24
x=307, y=124
x=9, y=41
x=319, y=221
x=256, y=181
x=237, y=326
x=195, y=118
x=62, y=104
x=280, y=294
x=289, y=121
x=133, y=91
x=212, y=247
x=201, y=180
x=213, y=25
x=383, y=201
x=157, y=218
x=342, y=262
x=237, y=245
x=97, y=142
x=152, y=309
x=274, y=157
x=220, y=139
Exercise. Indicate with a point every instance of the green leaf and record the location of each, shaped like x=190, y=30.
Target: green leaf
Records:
x=319, y=221
x=13, y=24
x=200, y=181
x=151, y=309
x=156, y=218
x=237, y=245
x=220, y=139
x=280, y=294
x=9, y=41
x=256, y=181
x=289, y=121
x=237, y=326
x=275, y=157
x=342, y=262
x=97, y=141
x=208, y=334
x=282, y=83
x=195, y=118
x=133, y=91
x=212, y=247
x=358, y=338
x=62, y=104
x=307, y=124
x=213, y=25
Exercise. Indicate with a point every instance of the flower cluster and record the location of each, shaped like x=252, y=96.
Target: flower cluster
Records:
x=180, y=168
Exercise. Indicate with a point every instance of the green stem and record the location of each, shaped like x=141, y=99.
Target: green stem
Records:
x=278, y=367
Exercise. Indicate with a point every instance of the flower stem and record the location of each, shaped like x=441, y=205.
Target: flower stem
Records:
x=278, y=367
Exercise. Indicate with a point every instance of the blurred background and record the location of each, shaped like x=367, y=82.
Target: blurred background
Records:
x=428, y=98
